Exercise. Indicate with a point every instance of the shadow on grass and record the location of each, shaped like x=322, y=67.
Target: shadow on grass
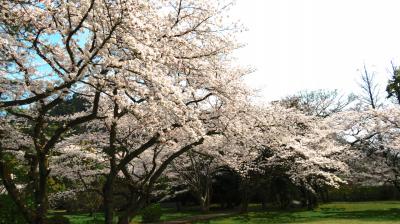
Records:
x=392, y=214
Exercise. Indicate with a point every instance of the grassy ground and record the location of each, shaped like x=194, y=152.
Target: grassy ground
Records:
x=387, y=212
x=332, y=213
x=168, y=215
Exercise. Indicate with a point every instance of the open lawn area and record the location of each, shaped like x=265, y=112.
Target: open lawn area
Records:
x=335, y=213
x=168, y=215
x=387, y=212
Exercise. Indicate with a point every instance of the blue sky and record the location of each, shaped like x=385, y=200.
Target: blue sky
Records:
x=312, y=44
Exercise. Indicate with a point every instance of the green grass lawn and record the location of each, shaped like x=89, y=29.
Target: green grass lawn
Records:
x=387, y=212
x=169, y=215
x=332, y=213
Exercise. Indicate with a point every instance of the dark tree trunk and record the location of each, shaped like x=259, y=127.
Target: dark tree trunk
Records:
x=304, y=198
x=244, y=205
x=263, y=195
x=205, y=206
x=322, y=194
x=326, y=192
x=108, y=199
x=124, y=220
x=131, y=210
x=205, y=198
x=312, y=201
x=41, y=194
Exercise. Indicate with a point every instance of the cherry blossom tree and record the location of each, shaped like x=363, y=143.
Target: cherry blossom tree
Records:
x=141, y=64
x=321, y=103
x=273, y=136
x=373, y=137
x=158, y=82
x=196, y=170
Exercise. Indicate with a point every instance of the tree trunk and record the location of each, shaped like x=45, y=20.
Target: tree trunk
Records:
x=244, y=205
x=108, y=188
x=108, y=199
x=205, y=205
x=304, y=198
x=263, y=196
x=245, y=195
x=312, y=201
x=128, y=215
x=206, y=200
x=327, y=199
x=131, y=211
x=41, y=194
x=135, y=203
x=124, y=220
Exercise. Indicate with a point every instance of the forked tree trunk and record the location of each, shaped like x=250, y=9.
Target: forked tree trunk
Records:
x=205, y=199
x=205, y=205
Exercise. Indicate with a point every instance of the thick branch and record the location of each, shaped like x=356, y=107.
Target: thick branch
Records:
x=80, y=120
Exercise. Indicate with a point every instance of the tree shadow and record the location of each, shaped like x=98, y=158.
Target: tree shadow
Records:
x=392, y=214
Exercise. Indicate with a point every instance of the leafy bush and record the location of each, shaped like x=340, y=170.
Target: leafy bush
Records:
x=152, y=213
x=58, y=219
x=9, y=213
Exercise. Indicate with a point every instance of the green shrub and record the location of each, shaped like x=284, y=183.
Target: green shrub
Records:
x=9, y=213
x=58, y=219
x=152, y=213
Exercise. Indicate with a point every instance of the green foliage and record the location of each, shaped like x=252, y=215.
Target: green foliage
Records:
x=15, y=166
x=393, y=87
x=72, y=105
x=152, y=213
x=54, y=185
x=9, y=213
x=58, y=219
